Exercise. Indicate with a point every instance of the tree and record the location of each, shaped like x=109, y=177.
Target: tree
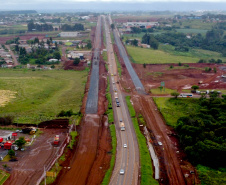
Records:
x=89, y=45
x=112, y=26
x=195, y=87
x=20, y=142
x=11, y=153
x=175, y=94
x=144, y=65
x=134, y=42
x=76, y=61
x=57, y=55
x=215, y=70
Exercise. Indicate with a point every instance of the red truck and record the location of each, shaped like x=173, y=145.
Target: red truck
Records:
x=56, y=140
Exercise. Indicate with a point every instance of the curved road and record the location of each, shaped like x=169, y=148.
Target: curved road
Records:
x=126, y=158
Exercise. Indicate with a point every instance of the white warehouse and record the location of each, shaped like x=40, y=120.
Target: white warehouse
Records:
x=69, y=34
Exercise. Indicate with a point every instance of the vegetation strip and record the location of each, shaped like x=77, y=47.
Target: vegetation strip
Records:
x=108, y=174
x=145, y=158
x=110, y=114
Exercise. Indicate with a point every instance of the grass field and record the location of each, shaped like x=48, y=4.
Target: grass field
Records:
x=163, y=91
x=167, y=54
x=172, y=109
x=145, y=158
x=41, y=95
x=197, y=53
x=196, y=24
x=183, y=30
x=150, y=56
x=68, y=43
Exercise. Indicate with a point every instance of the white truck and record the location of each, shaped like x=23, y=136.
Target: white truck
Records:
x=122, y=126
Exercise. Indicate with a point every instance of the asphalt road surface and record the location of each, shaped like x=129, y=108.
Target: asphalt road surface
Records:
x=92, y=99
x=126, y=158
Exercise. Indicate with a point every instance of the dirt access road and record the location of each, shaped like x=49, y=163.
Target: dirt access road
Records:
x=16, y=63
x=30, y=165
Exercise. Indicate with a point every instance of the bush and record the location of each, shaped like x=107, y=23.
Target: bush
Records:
x=6, y=120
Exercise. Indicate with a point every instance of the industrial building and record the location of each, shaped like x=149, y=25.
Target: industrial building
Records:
x=69, y=34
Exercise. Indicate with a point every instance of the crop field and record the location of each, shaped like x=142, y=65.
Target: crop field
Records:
x=40, y=95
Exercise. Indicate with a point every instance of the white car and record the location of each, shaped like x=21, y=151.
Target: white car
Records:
x=122, y=172
x=160, y=143
x=125, y=145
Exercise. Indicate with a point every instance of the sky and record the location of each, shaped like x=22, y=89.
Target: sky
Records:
x=158, y=5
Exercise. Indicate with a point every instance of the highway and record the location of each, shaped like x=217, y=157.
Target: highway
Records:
x=126, y=158
x=92, y=99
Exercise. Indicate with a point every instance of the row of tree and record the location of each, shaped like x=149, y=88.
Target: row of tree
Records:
x=39, y=27
x=214, y=40
x=76, y=27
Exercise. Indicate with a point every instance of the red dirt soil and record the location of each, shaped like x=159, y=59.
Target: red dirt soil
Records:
x=30, y=165
x=90, y=160
x=22, y=37
x=177, y=79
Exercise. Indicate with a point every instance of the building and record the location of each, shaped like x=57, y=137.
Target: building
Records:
x=69, y=34
x=6, y=135
x=140, y=24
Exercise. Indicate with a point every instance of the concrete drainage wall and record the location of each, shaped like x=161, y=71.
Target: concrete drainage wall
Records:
x=153, y=154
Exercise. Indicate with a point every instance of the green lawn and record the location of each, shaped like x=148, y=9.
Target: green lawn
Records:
x=172, y=109
x=105, y=56
x=186, y=30
x=68, y=43
x=163, y=91
x=196, y=24
x=145, y=158
x=150, y=56
x=197, y=53
x=41, y=95
x=3, y=177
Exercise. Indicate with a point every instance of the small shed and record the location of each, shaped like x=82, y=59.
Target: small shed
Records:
x=6, y=135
